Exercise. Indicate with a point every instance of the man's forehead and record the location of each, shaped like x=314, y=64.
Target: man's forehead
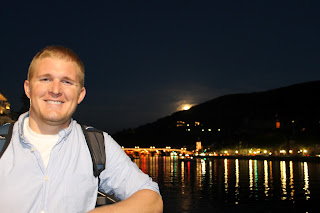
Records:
x=49, y=61
x=55, y=60
x=50, y=66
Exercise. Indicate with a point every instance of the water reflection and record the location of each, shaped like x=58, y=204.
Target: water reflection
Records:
x=201, y=171
x=250, y=176
x=291, y=184
x=266, y=178
x=210, y=174
x=283, y=179
x=231, y=180
x=306, y=180
x=256, y=178
x=182, y=177
x=226, y=165
x=237, y=185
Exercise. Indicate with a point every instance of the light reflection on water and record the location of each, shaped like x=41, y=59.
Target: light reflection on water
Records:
x=211, y=183
x=306, y=180
x=283, y=179
x=266, y=178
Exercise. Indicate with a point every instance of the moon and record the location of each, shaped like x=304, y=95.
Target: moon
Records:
x=186, y=107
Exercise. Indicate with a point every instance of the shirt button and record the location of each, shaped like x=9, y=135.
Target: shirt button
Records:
x=46, y=178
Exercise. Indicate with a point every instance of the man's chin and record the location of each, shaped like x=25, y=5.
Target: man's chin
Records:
x=56, y=119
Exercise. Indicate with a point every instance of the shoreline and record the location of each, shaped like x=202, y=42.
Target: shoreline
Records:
x=259, y=157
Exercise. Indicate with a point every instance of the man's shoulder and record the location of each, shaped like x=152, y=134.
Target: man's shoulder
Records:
x=95, y=141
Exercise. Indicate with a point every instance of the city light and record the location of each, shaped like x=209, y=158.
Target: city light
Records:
x=183, y=153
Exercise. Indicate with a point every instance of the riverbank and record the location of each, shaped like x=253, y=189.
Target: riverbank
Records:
x=264, y=157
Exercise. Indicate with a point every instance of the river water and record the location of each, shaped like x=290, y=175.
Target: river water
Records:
x=234, y=185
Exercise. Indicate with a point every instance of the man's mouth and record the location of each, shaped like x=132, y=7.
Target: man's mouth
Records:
x=54, y=102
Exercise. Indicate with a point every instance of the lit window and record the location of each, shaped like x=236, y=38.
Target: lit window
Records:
x=180, y=123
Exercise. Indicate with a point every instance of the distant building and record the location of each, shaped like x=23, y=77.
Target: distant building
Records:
x=4, y=105
x=198, y=145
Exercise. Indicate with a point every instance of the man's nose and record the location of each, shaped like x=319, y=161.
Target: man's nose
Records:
x=55, y=87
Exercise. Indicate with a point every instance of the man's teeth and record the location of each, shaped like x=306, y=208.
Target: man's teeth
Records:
x=54, y=102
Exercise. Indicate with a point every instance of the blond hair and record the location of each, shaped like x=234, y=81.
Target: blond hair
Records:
x=58, y=52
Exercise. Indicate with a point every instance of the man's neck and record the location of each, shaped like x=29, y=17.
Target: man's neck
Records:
x=46, y=128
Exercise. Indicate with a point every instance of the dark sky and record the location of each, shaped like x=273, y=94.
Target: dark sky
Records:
x=144, y=59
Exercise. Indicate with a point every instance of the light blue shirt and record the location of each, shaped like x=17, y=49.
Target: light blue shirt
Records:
x=67, y=184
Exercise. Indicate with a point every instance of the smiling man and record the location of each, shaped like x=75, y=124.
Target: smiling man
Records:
x=54, y=88
x=47, y=166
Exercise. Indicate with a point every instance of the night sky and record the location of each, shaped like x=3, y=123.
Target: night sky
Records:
x=145, y=59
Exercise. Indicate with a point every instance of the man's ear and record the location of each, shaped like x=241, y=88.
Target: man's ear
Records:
x=82, y=95
x=27, y=88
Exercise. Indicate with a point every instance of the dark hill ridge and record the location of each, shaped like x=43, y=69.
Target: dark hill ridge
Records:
x=250, y=118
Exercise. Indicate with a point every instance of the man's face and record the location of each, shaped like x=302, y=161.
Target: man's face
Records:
x=54, y=91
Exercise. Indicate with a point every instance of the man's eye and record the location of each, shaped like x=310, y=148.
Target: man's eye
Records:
x=67, y=82
x=44, y=79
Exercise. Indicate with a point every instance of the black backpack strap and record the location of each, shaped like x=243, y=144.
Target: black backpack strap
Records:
x=5, y=137
x=95, y=142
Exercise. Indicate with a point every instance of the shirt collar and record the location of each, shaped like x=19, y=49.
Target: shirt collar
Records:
x=62, y=133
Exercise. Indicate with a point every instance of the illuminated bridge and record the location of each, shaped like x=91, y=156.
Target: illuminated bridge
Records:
x=137, y=151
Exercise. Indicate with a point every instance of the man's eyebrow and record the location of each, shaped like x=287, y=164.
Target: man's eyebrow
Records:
x=64, y=78
x=44, y=75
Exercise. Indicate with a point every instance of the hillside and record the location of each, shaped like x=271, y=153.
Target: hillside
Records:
x=245, y=119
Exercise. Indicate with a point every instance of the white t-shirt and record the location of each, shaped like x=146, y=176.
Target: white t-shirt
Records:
x=43, y=143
